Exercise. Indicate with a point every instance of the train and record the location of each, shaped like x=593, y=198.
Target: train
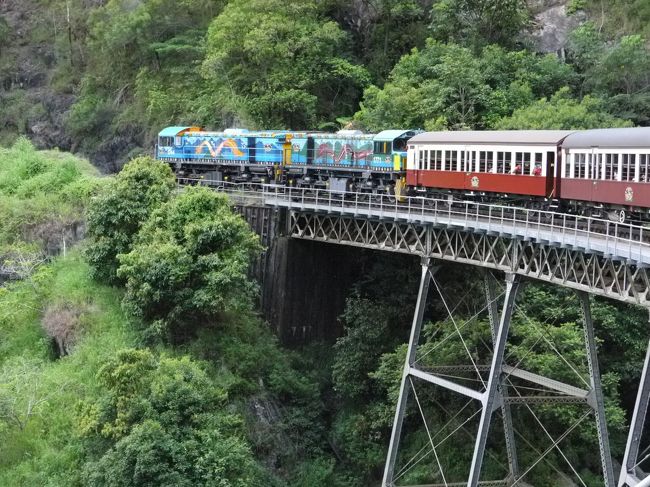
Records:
x=599, y=172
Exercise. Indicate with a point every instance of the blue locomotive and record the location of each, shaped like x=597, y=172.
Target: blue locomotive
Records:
x=346, y=160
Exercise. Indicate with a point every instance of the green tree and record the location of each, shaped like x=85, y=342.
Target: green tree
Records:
x=280, y=64
x=615, y=71
x=383, y=30
x=446, y=86
x=117, y=213
x=358, y=351
x=562, y=112
x=478, y=23
x=161, y=422
x=142, y=71
x=190, y=263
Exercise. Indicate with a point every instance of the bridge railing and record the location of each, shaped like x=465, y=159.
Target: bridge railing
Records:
x=611, y=238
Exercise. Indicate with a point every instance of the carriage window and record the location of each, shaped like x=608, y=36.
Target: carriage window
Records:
x=438, y=160
x=625, y=168
x=593, y=166
x=179, y=141
x=609, y=167
x=500, y=162
x=465, y=160
x=601, y=166
x=643, y=167
x=519, y=163
x=523, y=163
x=489, y=161
x=537, y=166
x=452, y=160
x=420, y=163
x=507, y=162
x=482, y=162
x=580, y=166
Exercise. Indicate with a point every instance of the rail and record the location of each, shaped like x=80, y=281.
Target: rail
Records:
x=624, y=241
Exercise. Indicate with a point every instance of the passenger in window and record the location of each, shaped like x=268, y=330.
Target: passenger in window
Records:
x=517, y=169
x=538, y=170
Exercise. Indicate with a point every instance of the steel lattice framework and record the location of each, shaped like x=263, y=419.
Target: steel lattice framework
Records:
x=565, y=266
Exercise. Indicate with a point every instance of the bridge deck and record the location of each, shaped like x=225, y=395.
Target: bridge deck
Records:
x=608, y=239
x=601, y=257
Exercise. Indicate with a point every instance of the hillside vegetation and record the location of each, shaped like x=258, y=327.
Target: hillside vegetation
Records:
x=152, y=381
x=103, y=77
x=132, y=352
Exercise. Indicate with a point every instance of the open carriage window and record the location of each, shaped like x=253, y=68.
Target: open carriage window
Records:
x=644, y=160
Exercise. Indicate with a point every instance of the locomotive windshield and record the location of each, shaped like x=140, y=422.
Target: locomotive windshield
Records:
x=166, y=141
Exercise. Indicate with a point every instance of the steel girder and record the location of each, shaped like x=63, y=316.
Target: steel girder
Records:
x=565, y=266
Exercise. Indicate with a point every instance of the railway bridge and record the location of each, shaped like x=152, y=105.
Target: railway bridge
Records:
x=587, y=255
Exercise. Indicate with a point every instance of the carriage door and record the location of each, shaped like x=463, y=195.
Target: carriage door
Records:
x=550, y=174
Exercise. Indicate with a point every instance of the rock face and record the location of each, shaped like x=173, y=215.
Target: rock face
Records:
x=552, y=24
x=29, y=103
x=304, y=284
x=305, y=287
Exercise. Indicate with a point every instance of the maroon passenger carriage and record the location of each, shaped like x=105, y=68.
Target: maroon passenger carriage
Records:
x=607, y=170
x=503, y=164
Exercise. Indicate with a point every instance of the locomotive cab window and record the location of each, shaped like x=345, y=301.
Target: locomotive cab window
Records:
x=399, y=145
x=166, y=141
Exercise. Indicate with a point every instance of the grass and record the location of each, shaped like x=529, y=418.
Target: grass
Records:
x=41, y=191
x=47, y=451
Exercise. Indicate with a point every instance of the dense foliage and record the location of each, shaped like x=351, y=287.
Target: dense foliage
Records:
x=118, y=71
x=42, y=196
x=190, y=263
x=117, y=213
x=84, y=402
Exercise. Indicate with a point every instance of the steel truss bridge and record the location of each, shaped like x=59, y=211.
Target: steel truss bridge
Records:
x=588, y=255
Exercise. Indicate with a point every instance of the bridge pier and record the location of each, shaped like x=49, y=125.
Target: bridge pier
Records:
x=404, y=390
x=494, y=394
x=595, y=398
x=506, y=413
x=628, y=475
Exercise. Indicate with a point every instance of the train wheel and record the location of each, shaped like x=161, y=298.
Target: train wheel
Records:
x=621, y=216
